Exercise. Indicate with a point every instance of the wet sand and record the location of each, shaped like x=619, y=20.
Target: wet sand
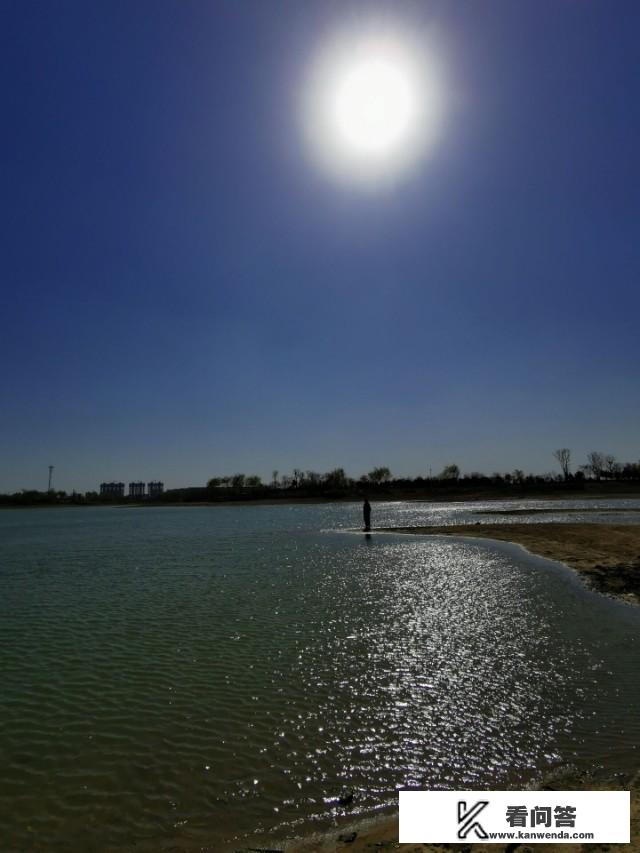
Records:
x=607, y=556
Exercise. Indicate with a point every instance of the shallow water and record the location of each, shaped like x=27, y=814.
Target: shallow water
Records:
x=218, y=675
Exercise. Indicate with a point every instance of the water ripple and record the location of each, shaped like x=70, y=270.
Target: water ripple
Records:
x=196, y=677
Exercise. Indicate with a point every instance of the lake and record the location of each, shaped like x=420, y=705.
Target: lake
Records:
x=219, y=676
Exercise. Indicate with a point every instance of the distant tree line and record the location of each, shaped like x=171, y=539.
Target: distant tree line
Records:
x=32, y=497
x=599, y=466
x=379, y=482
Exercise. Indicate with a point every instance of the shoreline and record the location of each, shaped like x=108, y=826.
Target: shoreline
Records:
x=381, y=833
x=606, y=556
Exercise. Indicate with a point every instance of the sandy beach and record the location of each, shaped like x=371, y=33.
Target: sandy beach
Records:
x=607, y=556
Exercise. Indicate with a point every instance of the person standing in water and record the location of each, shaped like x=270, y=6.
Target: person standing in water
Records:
x=366, y=511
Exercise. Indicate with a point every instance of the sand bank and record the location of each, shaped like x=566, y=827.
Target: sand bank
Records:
x=607, y=556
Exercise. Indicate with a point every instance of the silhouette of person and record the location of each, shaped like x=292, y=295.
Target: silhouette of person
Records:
x=366, y=511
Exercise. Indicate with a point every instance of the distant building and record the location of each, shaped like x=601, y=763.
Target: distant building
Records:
x=136, y=490
x=155, y=488
x=112, y=490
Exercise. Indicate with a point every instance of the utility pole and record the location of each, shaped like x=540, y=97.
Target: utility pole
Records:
x=50, y=476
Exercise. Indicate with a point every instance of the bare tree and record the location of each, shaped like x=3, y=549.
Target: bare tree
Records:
x=274, y=479
x=563, y=455
x=595, y=463
x=613, y=468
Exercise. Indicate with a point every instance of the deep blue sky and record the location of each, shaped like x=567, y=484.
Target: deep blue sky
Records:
x=184, y=294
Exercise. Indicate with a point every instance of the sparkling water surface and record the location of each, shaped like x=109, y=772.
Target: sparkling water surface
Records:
x=177, y=678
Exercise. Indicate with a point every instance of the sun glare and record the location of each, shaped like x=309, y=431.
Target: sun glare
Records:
x=370, y=107
x=374, y=105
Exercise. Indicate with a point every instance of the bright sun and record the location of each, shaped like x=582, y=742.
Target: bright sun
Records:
x=371, y=106
x=375, y=103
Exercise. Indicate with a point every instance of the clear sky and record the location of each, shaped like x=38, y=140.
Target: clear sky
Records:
x=184, y=292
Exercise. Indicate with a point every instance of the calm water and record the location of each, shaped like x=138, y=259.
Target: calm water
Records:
x=185, y=677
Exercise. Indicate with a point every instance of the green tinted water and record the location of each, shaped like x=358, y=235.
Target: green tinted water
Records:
x=210, y=676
